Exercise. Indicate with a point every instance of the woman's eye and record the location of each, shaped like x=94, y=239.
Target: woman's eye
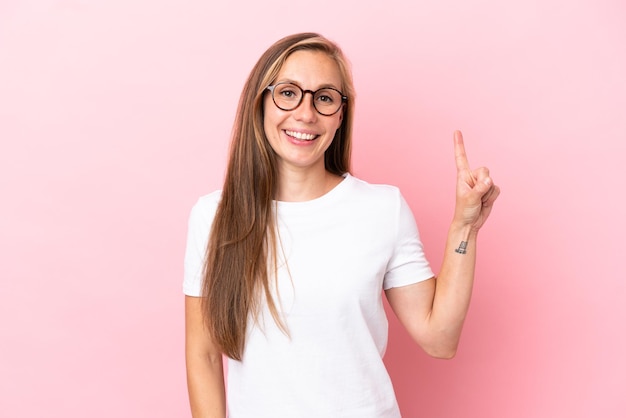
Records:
x=324, y=98
x=288, y=94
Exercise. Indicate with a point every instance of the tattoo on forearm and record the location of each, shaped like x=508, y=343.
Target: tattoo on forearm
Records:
x=462, y=247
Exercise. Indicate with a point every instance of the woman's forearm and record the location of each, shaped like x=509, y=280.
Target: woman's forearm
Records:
x=205, y=383
x=205, y=370
x=454, y=288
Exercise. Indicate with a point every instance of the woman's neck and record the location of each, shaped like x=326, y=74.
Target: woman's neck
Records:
x=304, y=185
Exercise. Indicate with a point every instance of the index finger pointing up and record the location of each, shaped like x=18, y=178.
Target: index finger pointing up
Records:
x=459, y=152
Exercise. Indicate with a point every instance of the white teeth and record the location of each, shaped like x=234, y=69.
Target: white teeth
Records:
x=300, y=135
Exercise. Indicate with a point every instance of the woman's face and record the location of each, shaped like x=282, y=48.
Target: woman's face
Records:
x=302, y=135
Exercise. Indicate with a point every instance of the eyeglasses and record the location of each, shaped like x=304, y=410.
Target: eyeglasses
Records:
x=288, y=96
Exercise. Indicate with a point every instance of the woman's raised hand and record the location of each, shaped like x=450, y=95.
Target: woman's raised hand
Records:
x=475, y=190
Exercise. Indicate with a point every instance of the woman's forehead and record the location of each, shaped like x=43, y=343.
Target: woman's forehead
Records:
x=310, y=70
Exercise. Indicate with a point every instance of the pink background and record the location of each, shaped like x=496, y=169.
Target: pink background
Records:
x=115, y=116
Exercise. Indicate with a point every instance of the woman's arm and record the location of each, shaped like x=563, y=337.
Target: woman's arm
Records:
x=433, y=311
x=205, y=372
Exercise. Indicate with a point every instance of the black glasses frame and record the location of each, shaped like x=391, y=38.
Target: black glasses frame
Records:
x=344, y=99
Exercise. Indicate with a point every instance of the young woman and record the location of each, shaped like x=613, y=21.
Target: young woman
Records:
x=285, y=266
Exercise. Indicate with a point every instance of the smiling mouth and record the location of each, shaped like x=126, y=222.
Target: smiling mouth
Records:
x=301, y=136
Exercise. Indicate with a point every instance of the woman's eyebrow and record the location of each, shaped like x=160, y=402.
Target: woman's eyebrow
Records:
x=322, y=86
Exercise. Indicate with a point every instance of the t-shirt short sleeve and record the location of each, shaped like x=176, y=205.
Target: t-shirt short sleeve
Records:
x=408, y=264
x=199, y=226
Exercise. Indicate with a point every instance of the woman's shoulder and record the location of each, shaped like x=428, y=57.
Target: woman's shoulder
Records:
x=373, y=190
x=210, y=199
x=205, y=207
x=379, y=202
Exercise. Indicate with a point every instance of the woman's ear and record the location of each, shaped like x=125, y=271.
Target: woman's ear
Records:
x=343, y=106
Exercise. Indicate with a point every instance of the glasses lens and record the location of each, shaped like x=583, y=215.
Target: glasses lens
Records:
x=327, y=101
x=287, y=96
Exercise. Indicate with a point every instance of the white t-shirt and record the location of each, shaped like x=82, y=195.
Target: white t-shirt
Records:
x=341, y=251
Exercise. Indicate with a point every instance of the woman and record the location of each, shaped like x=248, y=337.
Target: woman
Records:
x=285, y=265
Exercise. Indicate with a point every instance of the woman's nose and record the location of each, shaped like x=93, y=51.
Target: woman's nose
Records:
x=306, y=111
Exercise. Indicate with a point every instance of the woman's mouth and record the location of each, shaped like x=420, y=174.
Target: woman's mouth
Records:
x=301, y=135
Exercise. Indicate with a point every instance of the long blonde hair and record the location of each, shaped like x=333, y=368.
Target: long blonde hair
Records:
x=243, y=240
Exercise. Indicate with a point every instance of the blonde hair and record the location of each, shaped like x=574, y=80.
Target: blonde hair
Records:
x=243, y=241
